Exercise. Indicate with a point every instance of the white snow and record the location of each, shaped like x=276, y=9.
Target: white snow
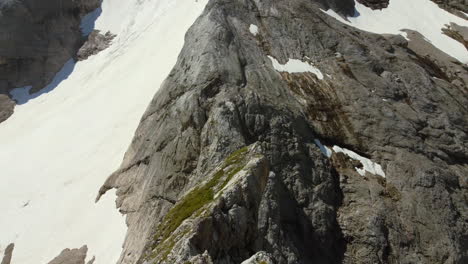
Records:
x=324, y=149
x=61, y=144
x=419, y=15
x=296, y=66
x=368, y=165
x=253, y=29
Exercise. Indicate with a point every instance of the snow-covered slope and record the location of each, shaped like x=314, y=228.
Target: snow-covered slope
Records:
x=423, y=16
x=59, y=147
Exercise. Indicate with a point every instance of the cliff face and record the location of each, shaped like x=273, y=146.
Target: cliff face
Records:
x=357, y=155
x=36, y=39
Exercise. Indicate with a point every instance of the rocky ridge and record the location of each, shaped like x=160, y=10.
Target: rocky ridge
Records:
x=379, y=97
x=95, y=43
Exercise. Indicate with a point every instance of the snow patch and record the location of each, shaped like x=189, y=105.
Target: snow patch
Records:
x=59, y=146
x=253, y=29
x=296, y=66
x=368, y=165
x=423, y=16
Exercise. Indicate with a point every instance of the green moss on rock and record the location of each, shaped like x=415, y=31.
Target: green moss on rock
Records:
x=195, y=200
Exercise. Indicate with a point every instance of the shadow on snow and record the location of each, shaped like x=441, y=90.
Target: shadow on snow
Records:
x=22, y=95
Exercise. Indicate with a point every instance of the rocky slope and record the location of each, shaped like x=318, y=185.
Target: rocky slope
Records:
x=454, y=6
x=37, y=38
x=362, y=160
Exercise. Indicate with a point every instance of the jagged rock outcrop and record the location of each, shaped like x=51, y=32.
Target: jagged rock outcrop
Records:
x=37, y=38
x=375, y=96
x=8, y=254
x=457, y=32
x=375, y=4
x=95, y=43
x=72, y=256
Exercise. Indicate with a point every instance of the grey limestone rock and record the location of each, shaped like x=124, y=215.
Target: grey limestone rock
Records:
x=8, y=254
x=95, y=43
x=72, y=256
x=379, y=97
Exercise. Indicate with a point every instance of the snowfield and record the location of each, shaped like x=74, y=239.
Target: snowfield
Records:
x=420, y=15
x=60, y=145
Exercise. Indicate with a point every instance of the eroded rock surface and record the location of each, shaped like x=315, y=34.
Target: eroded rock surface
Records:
x=379, y=97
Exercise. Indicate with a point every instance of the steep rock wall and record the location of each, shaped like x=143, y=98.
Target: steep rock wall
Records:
x=378, y=98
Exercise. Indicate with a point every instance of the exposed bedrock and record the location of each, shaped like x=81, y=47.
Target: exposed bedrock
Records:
x=36, y=39
x=224, y=100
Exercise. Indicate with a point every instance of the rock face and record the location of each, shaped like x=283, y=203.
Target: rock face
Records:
x=375, y=4
x=36, y=39
x=227, y=160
